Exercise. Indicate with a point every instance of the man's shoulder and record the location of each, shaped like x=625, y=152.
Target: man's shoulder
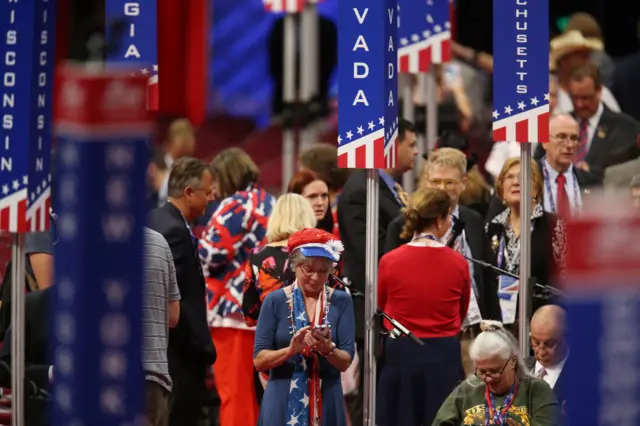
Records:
x=470, y=216
x=356, y=182
x=161, y=220
x=154, y=238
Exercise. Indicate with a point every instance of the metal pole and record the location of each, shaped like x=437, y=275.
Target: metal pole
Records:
x=289, y=98
x=308, y=52
x=371, y=294
x=17, y=330
x=408, y=108
x=525, y=247
x=432, y=108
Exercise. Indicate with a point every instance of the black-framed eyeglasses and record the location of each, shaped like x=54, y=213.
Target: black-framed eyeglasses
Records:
x=493, y=374
x=308, y=271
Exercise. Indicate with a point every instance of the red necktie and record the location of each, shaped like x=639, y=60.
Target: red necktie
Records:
x=564, y=208
x=581, y=152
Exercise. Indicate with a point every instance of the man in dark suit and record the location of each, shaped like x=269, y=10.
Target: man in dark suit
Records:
x=550, y=348
x=191, y=351
x=352, y=214
x=446, y=169
x=606, y=138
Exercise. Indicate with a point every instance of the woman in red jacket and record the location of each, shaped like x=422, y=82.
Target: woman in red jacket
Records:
x=426, y=287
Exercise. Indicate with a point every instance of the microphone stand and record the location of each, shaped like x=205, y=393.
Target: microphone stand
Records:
x=398, y=330
x=554, y=291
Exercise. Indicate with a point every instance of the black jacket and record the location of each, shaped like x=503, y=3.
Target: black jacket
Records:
x=191, y=337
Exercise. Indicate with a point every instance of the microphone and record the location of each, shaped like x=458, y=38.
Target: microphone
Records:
x=456, y=231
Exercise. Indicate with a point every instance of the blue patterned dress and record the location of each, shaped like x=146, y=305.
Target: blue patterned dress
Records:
x=273, y=332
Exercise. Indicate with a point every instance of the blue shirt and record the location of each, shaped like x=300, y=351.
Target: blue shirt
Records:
x=388, y=180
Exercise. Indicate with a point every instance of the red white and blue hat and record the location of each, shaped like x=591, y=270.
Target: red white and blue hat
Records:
x=314, y=242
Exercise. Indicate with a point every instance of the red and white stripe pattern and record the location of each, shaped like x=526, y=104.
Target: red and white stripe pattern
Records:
x=39, y=211
x=531, y=124
x=419, y=51
x=368, y=150
x=284, y=6
x=153, y=91
x=13, y=211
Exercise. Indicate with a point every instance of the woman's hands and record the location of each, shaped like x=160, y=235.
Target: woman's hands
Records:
x=298, y=343
x=319, y=340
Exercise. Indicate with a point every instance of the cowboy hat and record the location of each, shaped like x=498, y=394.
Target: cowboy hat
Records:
x=570, y=42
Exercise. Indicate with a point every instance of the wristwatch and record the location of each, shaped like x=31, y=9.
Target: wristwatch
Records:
x=333, y=349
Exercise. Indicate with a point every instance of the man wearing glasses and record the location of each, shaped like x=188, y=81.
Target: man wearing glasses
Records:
x=550, y=348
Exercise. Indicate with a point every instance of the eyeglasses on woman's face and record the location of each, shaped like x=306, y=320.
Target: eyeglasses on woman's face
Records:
x=495, y=374
x=309, y=271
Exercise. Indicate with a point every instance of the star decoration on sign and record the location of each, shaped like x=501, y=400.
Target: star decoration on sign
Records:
x=361, y=131
x=522, y=105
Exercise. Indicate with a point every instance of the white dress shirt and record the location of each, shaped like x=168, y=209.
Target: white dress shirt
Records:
x=564, y=104
x=550, y=191
x=553, y=371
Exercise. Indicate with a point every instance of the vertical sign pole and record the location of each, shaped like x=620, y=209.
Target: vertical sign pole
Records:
x=521, y=112
x=103, y=132
x=524, y=308
x=408, y=108
x=306, y=73
x=289, y=95
x=431, y=89
x=25, y=152
x=367, y=134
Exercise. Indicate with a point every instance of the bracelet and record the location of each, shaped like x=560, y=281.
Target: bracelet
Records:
x=333, y=349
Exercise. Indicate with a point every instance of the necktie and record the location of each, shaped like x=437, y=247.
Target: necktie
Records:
x=564, y=207
x=583, y=135
x=402, y=195
x=542, y=373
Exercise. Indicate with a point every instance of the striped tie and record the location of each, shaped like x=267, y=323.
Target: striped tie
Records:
x=542, y=373
x=584, y=140
x=402, y=194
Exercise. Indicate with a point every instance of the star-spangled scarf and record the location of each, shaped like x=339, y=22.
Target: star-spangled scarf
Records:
x=304, y=406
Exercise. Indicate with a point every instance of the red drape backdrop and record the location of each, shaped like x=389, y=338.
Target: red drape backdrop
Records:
x=183, y=58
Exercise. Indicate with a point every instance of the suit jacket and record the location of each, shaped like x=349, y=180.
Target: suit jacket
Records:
x=352, y=215
x=620, y=176
x=485, y=278
x=191, y=337
x=560, y=387
x=615, y=141
x=37, y=360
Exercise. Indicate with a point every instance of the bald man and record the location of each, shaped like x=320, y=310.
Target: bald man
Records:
x=550, y=348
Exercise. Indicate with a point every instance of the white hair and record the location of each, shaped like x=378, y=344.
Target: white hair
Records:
x=496, y=342
x=298, y=259
x=557, y=115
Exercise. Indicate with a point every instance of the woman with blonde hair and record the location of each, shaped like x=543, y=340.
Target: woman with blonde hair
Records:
x=426, y=286
x=501, y=391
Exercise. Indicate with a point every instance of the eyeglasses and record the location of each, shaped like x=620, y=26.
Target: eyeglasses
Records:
x=493, y=374
x=550, y=344
x=438, y=183
x=566, y=138
x=308, y=272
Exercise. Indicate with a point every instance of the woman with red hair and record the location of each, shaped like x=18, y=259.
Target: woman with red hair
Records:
x=316, y=190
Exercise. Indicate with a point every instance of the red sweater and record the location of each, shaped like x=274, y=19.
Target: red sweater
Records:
x=427, y=289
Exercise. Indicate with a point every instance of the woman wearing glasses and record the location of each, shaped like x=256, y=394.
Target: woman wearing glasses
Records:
x=501, y=392
x=305, y=338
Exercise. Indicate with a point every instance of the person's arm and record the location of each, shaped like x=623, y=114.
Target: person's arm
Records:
x=545, y=409
x=265, y=354
x=449, y=413
x=228, y=230
x=174, y=291
x=382, y=283
x=341, y=357
x=39, y=248
x=466, y=292
x=392, y=239
x=482, y=60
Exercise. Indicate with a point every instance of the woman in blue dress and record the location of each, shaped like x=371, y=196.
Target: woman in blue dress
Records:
x=305, y=339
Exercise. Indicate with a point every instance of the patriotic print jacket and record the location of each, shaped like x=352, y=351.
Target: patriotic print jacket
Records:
x=237, y=227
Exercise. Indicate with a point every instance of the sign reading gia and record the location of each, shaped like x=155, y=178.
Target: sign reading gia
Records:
x=102, y=129
x=367, y=76
x=521, y=70
x=25, y=143
x=132, y=27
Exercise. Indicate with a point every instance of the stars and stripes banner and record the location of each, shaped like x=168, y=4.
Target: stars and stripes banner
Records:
x=285, y=6
x=133, y=25
x=102, y=127
x=368, y=107
x=25, y=146
x=424, y=32
x=521, y=71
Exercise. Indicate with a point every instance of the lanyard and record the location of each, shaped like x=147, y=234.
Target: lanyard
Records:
x=547, y=184
x=425, y=236
x=498, y=416
x=502, y=255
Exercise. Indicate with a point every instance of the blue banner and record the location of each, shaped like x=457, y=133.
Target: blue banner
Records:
x=367, y=75
x=133, y=27
x=25, y=145
x=100, y=180
x=521, y=70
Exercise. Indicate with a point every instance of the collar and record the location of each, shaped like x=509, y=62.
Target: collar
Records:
x=456, y=212
x=552, y=369
x=503, y=218
x=553, y=173
x=168, y=160
x=388, y=180
x=595, y=118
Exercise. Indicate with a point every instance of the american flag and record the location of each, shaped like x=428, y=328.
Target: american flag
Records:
x=424, y=33
x=285, y=6
x=151, y=72
x=363, y=147
x=521, y=72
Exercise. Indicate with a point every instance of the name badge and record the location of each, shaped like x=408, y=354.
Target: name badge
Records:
x=508, y=296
